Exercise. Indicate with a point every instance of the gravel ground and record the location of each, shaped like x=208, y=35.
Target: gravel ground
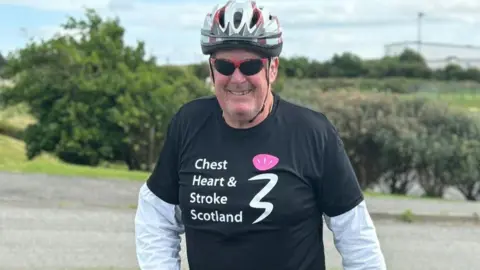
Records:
x=90, y=226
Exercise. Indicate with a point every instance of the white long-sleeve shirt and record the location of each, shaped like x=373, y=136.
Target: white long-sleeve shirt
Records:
x=158, y=227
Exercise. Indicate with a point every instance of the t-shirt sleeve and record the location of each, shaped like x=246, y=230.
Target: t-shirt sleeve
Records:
x=340, y=190
x=163, y=181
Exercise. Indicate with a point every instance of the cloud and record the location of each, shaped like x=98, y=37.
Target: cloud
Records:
x=317, y=29
x=57, y=5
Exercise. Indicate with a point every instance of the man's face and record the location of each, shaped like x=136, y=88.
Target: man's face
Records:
x=241, y=95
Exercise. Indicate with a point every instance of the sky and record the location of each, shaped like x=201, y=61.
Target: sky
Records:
x=316, y=29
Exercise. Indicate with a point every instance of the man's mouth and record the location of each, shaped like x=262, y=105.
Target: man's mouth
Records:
x=239, y=93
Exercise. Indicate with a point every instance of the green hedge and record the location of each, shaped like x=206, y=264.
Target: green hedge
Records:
x=402, y=141
x=408, y=64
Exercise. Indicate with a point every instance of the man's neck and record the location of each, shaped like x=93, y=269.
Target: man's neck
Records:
x=260, y=118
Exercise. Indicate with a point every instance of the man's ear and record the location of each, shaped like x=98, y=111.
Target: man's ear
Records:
x=210, y=69
x=209, y=65
x=274, y=68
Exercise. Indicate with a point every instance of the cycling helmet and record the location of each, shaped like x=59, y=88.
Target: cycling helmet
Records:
x=241, y=25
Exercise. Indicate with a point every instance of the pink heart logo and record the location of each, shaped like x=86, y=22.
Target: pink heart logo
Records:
x=263, y=162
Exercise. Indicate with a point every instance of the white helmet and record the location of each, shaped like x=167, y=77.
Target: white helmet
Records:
x=241, y=25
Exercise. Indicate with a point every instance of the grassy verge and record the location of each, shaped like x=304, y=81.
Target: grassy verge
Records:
x=370, y=194
x=465, y=100
x=13, y=159
x=16, y=116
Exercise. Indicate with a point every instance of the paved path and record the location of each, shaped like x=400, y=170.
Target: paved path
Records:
x=99, y=238
x=58, y=223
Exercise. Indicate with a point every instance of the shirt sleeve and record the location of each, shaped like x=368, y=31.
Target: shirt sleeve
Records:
x=158, y=226
x=163, y=181
x=340, y=190
x=344, y=208
x=356, y=239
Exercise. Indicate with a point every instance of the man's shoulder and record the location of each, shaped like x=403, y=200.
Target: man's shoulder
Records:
x=314, y=126
x=198, y=107
x=305, y=117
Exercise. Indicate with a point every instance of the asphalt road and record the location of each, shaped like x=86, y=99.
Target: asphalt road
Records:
x=58, y=223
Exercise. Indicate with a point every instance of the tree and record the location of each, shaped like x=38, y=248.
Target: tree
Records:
x=3, y=61
x=347, y=65
x=94, y=97
x=466, y=171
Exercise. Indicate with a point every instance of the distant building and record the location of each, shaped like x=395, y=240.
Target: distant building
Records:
x=439, y=55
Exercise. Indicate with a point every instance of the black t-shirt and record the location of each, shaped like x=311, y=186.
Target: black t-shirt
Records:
x=253, y=199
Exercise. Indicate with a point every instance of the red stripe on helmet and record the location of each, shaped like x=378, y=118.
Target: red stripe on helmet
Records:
x=217, y=14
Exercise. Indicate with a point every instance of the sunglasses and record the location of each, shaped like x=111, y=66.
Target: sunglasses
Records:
x=248, y=67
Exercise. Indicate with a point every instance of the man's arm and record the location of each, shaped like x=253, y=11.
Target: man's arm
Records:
x=158, y=222
x=158, y=227
x=345, y=210
x=356, y=239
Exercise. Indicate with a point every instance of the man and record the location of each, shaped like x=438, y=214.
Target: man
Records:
x=247, y=175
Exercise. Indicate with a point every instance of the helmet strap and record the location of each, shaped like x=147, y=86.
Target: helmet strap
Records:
x=266, y=95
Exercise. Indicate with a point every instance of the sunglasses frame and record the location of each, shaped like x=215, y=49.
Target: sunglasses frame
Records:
x=238, y=63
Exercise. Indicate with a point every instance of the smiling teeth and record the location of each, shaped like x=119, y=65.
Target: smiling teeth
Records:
x=239, y=93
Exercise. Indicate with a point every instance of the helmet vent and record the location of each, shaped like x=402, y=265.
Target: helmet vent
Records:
x=255, y=17
x=221, y=18
x=237, y=18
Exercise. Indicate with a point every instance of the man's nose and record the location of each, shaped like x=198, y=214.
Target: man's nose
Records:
x=237, y=77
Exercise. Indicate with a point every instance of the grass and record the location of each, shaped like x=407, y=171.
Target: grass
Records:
x=395, y=196
x=13, y=159
x=370, y=194
x=466, y=100
x=457, y=94
x=16, y=116
x=407, y=216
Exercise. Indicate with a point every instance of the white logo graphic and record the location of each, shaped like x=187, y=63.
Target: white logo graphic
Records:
x=255, y=202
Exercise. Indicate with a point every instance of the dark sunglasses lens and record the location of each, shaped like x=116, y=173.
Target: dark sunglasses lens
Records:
x=251, y=67
x=224, y=67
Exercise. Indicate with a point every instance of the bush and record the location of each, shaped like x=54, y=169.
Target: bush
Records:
x=94, y=99
x=397, y=142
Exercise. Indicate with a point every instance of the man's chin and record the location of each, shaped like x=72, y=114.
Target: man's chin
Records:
x=241, y=114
